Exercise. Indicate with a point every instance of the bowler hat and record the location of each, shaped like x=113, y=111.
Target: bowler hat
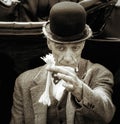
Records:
x=67, y=23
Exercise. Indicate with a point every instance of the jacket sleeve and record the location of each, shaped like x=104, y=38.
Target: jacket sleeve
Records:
x=17, y=108
x=96, y=102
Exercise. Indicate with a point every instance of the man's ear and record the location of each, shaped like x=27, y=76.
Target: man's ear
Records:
x=49, y=44
x=82, y=45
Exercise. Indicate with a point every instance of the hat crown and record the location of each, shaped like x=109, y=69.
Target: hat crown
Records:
x=67, y=23
x=67, y=19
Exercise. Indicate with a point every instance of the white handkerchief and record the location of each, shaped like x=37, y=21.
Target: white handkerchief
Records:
x=58, y=89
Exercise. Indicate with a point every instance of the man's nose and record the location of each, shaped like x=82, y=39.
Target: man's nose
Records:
x=68, y=57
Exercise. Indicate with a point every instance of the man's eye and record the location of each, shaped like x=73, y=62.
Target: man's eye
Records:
x=76, y=48
x=60, y=48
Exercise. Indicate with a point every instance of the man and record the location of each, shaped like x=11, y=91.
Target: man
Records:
x=86, y=88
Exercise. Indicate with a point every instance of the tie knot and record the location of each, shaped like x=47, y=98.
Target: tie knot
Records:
x=55, y=78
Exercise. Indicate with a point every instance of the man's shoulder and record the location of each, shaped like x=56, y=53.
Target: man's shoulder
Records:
x=98, y=68
x=95, y=65
x=30, y=74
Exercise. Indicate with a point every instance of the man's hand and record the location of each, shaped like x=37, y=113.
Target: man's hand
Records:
x=72, y=83
x=8, y=3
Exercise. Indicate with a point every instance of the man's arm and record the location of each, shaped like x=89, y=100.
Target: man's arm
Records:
x=93, y=93
x=90, y=3
x=96, y=102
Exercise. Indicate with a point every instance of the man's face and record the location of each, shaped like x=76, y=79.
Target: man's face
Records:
x=67, y=54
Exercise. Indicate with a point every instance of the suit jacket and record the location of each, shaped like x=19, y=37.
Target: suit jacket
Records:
x=96, y=104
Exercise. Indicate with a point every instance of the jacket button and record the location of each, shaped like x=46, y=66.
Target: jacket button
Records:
x=59, y=107
x=61, y=122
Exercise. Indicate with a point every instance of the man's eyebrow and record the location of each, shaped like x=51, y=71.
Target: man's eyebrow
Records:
x=59, y=44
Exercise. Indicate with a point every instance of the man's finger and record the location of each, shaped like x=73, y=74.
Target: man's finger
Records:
x=61, y=69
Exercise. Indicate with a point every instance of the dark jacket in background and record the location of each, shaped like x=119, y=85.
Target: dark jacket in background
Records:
x=28, y=10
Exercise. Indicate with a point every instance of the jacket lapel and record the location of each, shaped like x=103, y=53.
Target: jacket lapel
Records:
x=40, y=110
x=70, y=109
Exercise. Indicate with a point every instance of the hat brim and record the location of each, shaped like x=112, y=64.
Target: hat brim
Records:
x=87, y=33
